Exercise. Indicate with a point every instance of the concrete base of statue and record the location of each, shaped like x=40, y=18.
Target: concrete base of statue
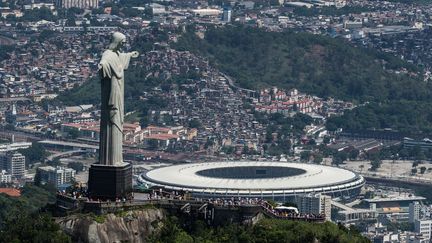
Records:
x=110, y=182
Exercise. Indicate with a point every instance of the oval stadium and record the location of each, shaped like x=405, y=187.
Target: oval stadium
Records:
x=269, y=180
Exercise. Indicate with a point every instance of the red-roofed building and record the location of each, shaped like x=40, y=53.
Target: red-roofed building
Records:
x=160, y=140
x=12, y=192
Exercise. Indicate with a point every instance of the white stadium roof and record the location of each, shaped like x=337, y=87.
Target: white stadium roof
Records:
x=315, y=178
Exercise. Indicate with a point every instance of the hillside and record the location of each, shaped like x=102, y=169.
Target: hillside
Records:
x=311, y=63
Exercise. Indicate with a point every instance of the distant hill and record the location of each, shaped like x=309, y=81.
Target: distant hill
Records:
x=313, y=64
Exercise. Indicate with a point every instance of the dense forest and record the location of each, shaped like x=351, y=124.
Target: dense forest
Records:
x=22, y=219
x=266, y=230
x=311, y=63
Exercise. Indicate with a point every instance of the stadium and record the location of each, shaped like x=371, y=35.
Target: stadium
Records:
x=267, y=180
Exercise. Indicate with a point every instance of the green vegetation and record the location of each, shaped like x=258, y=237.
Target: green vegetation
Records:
x=88, y=93
x=35, y=153
x=5, y=51
x=280, y=129
x=267, y=230
x=34, y=227
x=38, y=14
x=32, y=199
x=78, y=166
x=21, y=220
x=99, y=218
x=375, y=164
x=313, y=64
x=405, y=116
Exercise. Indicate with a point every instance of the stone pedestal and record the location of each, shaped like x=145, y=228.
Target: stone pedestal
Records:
x=107, y=182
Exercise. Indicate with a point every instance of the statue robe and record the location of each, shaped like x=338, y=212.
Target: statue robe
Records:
x=112, y=66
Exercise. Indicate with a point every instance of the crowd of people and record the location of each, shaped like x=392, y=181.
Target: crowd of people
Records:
x=159, y=194
x=242, y=201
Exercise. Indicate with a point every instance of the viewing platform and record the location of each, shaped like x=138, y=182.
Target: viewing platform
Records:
x=212, y=211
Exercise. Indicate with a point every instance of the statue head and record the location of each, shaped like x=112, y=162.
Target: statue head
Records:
x=117, y=41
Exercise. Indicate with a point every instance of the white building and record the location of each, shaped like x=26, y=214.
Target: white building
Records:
x=14, y=146
x=83, y=4
x=414, y=211
x=14, y=164
x=5, y=177
x=314, y=204
x=55, y=175
x=423, y=227
x=206, y=12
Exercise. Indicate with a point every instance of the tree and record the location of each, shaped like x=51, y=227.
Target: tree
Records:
x=71, y=21
x=35, y=153
x=77, y=166
x=266, y=230
x=422, y=170
x=369, y=194
x=414, y=171
x=375, y=164
x=228, y=149
x=354, y=154
x=339, y=158
x=305, y=156
x=45, y=34
x=194, y=123
x=55, y=162
x=318, y=158
x=73, y=133
x=326, y=140
x=32, y=228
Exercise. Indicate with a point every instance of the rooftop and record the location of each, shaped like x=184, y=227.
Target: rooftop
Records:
x=13, y=192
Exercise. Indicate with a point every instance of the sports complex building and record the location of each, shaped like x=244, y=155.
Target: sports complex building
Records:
x=268, y=180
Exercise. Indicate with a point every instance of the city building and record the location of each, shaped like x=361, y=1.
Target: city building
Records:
x=11, y=115
x=55, y=175
x=397, y=206
x=14, y=164
x=83, y=4
x=414, y=211
x=314, y=204
x=5, y=177
x=14, y=146
x=424, y=144
x=423, y=227
x=226, y=15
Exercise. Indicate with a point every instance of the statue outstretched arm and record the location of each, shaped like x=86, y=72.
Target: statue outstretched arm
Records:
x=134, y=54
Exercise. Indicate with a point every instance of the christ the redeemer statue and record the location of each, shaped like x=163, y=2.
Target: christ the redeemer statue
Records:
x=111, y=68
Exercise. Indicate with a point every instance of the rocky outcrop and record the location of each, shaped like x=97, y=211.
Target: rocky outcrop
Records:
x=130, y=226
